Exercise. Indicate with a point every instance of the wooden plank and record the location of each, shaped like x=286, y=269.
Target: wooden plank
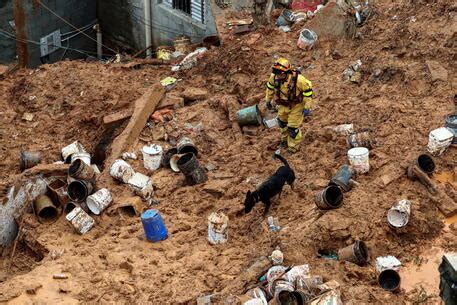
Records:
x=117, y=117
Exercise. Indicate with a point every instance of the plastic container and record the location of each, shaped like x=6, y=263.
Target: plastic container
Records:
x=186, y=145
x=359, y=159
x=389, y=280
x=307, y=39
x=398, y=215
x=217, y=228
x=154, y=226
x=451, y=124
x=99, y=201
x=79, y=190
x=142, y=185
x=45, y=210
x=439, y=140
x=71, y=149
x=81, y=171
x=249, y=116
x=85, y=157
x=342, y=178
x=29, y=159
x=329, y=198
x=152, y=156
x=80, y=220
x=121, y=170
x=356, y=253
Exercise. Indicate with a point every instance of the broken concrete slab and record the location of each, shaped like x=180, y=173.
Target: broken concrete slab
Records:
x=437, y=71
x=332, y=22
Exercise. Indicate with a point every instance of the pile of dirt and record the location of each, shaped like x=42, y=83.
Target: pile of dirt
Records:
x=398, y=98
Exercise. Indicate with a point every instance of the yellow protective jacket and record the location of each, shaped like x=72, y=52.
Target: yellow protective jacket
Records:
x=284, y=94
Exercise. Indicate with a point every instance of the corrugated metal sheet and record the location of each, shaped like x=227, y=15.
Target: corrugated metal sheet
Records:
x=197, y=9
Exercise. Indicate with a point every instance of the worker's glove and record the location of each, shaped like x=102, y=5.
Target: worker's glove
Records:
x=306, y=112
x=269, y=105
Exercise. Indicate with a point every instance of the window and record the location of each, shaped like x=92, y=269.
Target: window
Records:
x=182, y=5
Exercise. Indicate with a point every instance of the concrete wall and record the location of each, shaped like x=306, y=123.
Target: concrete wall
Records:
x=123, y=21
x=40, y=22
x=7, y=45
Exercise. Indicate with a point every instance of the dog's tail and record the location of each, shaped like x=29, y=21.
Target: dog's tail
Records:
x=283, y=160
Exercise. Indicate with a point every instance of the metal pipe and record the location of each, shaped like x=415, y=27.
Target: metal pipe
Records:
x=99, y=41
x=147, y=26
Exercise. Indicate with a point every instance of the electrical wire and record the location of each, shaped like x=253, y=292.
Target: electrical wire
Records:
x=82, y=28
x=64, y=20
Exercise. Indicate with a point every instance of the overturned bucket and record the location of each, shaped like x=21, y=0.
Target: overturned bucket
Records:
x=389, y=280
x=217, y=228
x=342, y=178
x=425, y=163
x=154, y=226
x=356, y=253
x=398, y=215
x=190, y=167
x=360, y=139
x=359, y=159
x=152, y=156
x=83, y=156
x=80, y=220
x=142, y=185
x=81, y=170
x=45, y=210
x=29, y=159
x=249, y=116
x=79, y=190
x=99, y=201
x=121, y=170
x=186, y=145
x=71, y=149
x=307, y=39
x=329, y=198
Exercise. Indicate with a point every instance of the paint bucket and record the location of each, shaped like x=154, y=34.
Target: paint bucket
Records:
x=356, y=253
x=451, y=124
x=152, y=156
x=69, y=207
x=79, y=190
x=307, y=39
x=288, y=15
x=249, y=116
x=217, y=228
x=280, y=288
x=174, y=163
x=360, y=139
x=398, y=215
x=57, y=190
x=85, y=157
x=284, y=297
x=186, y=145
x=190, y=167
x=121, y=171
x=71, y=149
x=99, y=201
x=80, y=220
x=29, y=159
x=438, y=140
x=154, y=226
x=342, y=177
x=167, y=156
x=359, y=159
x=45, y=210
x=81, y=171
x=329, y=198
x=389, y=280
x=142, y=185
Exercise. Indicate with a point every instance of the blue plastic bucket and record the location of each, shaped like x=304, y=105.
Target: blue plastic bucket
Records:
x=153, y=225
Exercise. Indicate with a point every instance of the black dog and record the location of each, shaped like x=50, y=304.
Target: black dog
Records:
x=270, y=188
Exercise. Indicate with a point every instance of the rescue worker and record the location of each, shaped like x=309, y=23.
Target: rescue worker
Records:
x=293, y=93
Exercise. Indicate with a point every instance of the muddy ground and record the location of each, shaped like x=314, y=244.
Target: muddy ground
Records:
x=398, y=98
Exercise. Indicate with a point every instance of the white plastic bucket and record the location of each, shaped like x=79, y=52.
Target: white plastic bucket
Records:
x=217, y=228
x=80, y=220
x=142, y=185
x=73, y=148
x=438, y=140
x=152, y=156
x=83, y=156
x=398, y=215
x=359, y=159
x=99, y=201
x=270, y=123
x=307, y=39
x=121, y=171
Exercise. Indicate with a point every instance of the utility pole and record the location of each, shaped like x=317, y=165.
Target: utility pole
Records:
x=21, y=35
x=147, y=26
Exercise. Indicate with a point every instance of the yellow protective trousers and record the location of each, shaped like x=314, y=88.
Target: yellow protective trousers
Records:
x=290, y=120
